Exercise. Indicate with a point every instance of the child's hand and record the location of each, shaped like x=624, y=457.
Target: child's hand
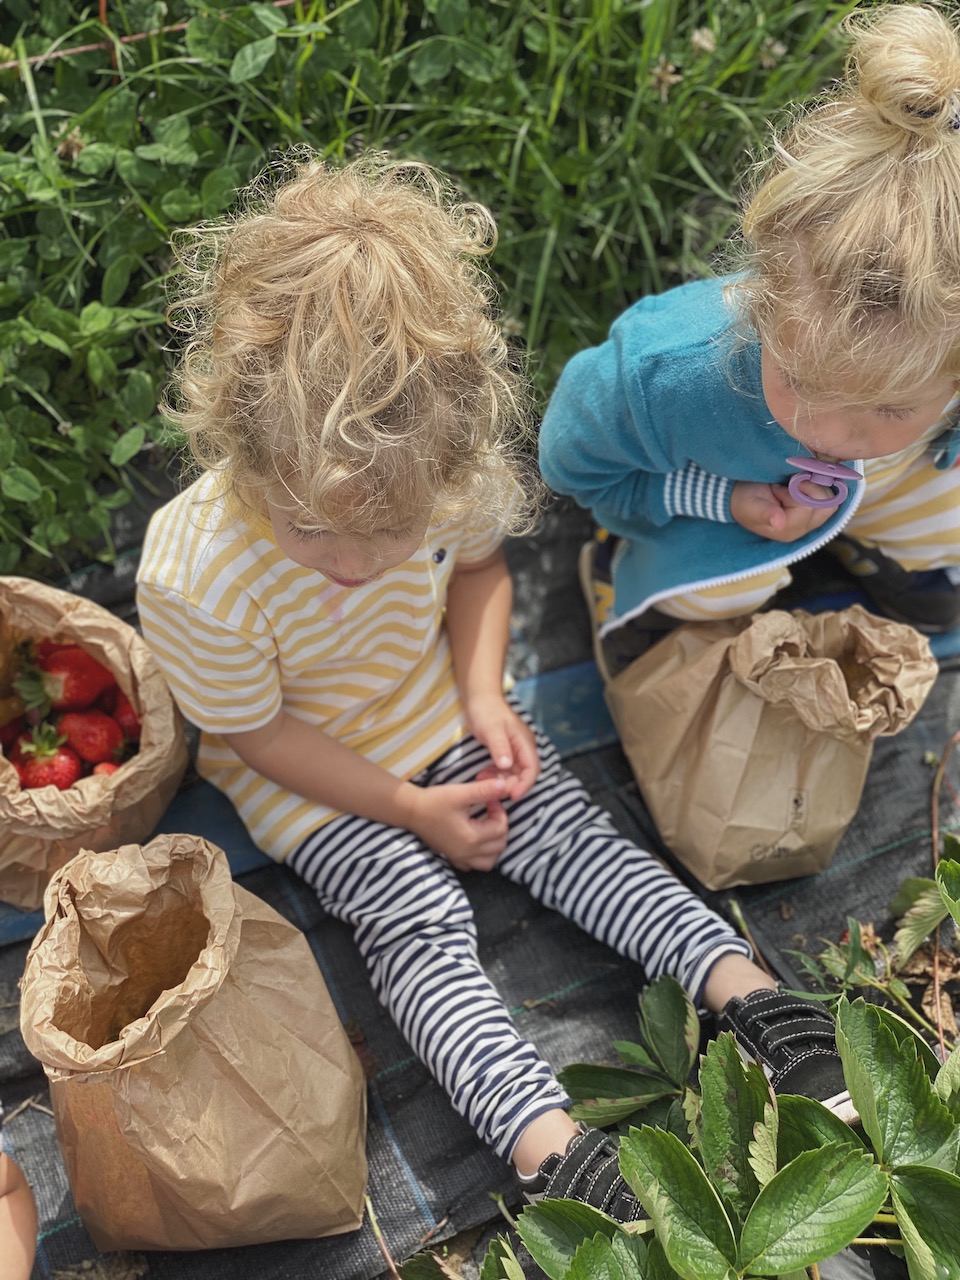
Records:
x=770, y=511
x=464, y=821
x=513, y=751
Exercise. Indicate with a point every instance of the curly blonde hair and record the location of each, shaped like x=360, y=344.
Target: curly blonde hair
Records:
x=340, y=341
x=851, y=237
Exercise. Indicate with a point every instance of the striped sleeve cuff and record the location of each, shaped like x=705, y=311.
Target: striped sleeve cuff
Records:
x=694, y=492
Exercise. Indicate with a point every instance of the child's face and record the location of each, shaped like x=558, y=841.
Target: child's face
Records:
x=346, y=559
x=847, y=430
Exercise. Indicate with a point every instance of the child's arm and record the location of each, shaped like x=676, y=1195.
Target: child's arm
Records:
x=479, y=599
x=464, y=822
x=18, y=1221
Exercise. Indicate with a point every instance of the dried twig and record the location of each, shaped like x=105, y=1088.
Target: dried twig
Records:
x=741, y=922
x=391, y=1265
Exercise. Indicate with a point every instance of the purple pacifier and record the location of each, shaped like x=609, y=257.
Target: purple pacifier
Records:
x=833, y=475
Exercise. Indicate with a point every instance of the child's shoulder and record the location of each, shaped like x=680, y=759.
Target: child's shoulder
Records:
x=689, y=316
x=195, y=530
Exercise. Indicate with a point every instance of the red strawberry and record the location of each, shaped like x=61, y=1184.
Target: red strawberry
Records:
x=93, y=735
x=67, y=679
x=45, y=762
x=126, y=717
x=105, y=767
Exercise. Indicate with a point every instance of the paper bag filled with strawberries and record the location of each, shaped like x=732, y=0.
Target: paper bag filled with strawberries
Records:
x=751, y=738
x=92, y=744
x=205, y=1092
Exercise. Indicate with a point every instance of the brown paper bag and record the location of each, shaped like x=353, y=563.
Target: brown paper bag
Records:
x=205, y=1092
x=43, y=829
x=750, y=739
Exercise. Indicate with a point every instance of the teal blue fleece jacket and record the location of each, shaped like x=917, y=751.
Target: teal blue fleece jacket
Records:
x=650, y=430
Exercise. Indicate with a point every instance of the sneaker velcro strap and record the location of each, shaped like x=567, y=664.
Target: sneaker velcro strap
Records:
x=775, y=1037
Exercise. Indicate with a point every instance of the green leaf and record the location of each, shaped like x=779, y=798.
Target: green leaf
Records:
x=584, y=1080
x=805, y=1125
x=179, y=204
x=763, y=1146
x=95, y=318
x=671, y=1028
x=733, y=1101
x=138, y=394
x=553, y=1230
x=948, y=882
x=903, y=1117
x=600, y=1113
x=96, y=159
x=20, y=484
x=909, y=891
x=925, y=916
x=634, y=1055
x=128, y=446
x=431, y=62
x=252, y=58
x=813, y=1207
x=686, y=1212
x=218, y=190
x=359, y=23
x=270, y=19
x=100, y=367
x=500, y=1262
x=449, y=15
x=54, y=341
x=115, y=279
x=927, y=1204
x=603, y=1259
x=947, y=1084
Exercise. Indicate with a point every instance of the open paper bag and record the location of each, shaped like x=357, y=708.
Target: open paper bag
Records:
x=42, y=829
x=205, y=1092
x=750, y=739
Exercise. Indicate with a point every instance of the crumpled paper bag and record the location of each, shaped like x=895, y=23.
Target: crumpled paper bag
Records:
x=750, y=739
x=42, y=829
x=205, y=1092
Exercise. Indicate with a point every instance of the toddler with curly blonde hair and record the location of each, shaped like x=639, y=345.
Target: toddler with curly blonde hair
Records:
x=330, y=604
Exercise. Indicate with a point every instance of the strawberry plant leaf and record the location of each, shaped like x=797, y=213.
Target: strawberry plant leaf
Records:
x=251, y=59
x=947, y=1084
x=734, y=1097
x=602, y=1259
x=553, y=1230
x=812, y=1208
x=500, y=1262
x=925, y=916
x=900, y=1112
x=927, y=1204
x=671, y=1028
x=687, y=1214
x=948, y=884
x=805, y=1124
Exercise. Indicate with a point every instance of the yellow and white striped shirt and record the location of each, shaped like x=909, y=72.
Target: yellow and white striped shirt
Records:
x=240, y=631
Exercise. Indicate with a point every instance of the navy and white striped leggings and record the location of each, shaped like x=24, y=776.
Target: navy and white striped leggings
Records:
x=415, y=929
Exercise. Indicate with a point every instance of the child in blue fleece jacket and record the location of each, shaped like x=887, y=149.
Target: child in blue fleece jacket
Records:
x=838, y=342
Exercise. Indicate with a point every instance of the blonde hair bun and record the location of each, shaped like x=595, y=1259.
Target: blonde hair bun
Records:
x=905, y=62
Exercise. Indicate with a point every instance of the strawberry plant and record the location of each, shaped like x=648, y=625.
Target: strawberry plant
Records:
x=740, y=1183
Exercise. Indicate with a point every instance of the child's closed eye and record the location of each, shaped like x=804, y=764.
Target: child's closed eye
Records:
x=305, y=535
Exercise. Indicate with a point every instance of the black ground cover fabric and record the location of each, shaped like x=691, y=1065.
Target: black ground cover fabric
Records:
x=430, y=1177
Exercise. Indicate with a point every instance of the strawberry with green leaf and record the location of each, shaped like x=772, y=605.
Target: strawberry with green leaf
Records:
x=66, y=678
x=43, y=760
